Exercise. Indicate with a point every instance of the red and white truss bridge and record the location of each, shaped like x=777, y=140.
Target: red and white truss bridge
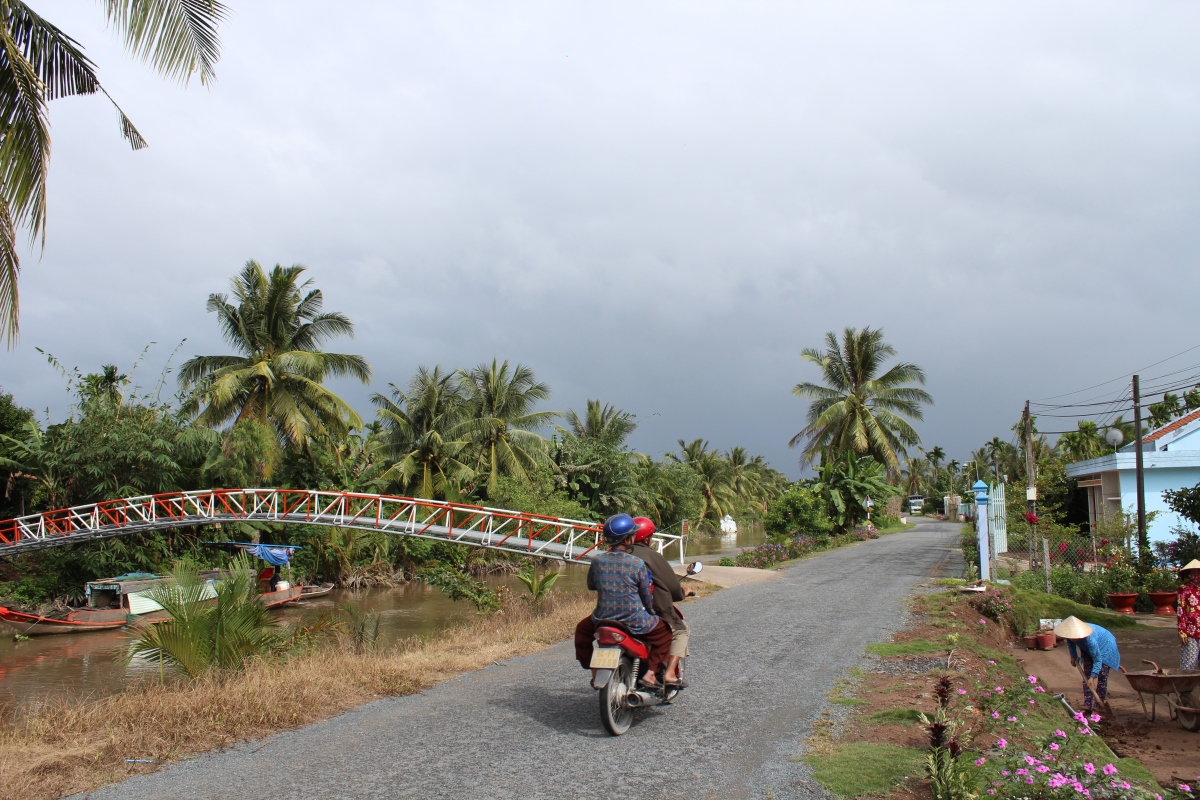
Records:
x=478, y=526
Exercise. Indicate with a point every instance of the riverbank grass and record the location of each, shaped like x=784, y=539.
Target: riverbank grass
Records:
x=863, y=769
x=58, y=746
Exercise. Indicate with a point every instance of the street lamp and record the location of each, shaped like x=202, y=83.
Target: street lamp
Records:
x=1114, y=437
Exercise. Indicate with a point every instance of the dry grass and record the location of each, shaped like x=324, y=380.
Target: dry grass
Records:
x=62, y=747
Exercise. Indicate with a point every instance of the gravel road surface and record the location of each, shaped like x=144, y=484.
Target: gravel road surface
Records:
x=764, y=657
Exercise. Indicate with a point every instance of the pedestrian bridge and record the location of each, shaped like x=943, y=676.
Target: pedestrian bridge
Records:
x=477, y=526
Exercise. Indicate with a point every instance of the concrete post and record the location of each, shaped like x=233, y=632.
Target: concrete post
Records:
x=981, y=527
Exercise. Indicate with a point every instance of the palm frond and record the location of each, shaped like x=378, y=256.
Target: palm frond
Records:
x=177, y=37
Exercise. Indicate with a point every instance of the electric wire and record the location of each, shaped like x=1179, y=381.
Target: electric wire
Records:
x=1124, y=376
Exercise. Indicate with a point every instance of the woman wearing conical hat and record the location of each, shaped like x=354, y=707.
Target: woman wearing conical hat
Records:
x=1096, y=648
x=1187, y=612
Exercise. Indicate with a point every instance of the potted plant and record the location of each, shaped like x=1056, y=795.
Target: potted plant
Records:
x=1162, y=586
x=1121, y=581
x=1031, y=639
x=1046, y=640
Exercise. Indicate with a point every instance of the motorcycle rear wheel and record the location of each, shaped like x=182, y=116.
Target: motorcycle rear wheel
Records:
x=615, y=712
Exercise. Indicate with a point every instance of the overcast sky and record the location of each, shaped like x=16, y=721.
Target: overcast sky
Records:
x=656, y=204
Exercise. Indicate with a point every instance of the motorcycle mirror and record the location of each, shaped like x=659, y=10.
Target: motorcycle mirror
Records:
x=694, y=568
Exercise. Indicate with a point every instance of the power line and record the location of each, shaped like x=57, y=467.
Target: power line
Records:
x=1124, y=376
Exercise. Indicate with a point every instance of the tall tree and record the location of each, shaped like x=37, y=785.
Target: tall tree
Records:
x=40, y=63
x=604, y=423
x=501, y=421
x=1084, y=443
x=715, y=477
x=858, y=410
x=425, y=434
x=277, y=326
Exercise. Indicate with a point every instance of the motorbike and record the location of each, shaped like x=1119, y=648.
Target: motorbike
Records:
x=618, y=660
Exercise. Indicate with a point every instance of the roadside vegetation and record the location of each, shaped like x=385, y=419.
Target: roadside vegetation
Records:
x=945, y=711
x=260, y=414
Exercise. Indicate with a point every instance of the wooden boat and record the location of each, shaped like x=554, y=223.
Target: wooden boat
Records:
x=307, y=592
x=75, y=622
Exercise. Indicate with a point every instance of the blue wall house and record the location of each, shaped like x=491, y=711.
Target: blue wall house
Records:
x=1171, y=460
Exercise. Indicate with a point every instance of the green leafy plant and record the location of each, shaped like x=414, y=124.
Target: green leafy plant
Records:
x=457, y=585
x=360, y=629
x=800, y=511
x=846, y=482
x=539, y=586
x=218, y=626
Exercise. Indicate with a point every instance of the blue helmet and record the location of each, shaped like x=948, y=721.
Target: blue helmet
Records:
x=618, y=526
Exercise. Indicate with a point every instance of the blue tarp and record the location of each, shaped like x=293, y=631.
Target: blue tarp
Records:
x=275, y=556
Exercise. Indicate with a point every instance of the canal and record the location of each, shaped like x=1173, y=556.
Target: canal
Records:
x=93, y=664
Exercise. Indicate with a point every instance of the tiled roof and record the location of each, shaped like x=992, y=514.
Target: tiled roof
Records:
x=1173, y=426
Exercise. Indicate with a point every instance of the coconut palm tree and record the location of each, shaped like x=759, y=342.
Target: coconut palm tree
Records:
x=605, y=423
x=277, y=327
x=1084, y=443
x=716, y=478
x=425, y=434
x=40, y=63
x=915, y=475
x=500, y=420
x=860, y=410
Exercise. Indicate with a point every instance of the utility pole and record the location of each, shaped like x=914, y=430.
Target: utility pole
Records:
x=1143, y=539
x=1030, y=479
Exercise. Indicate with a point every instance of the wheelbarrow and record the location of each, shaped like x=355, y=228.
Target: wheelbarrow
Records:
x=1176, y=685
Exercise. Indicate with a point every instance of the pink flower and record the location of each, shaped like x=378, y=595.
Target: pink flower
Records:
x=999, y=690
x=1032, y=702
x=1085, y=731
x=979, y=762
x=1022, y=771
x=962, y=691
x=1002, y=743
x=1063, y=734
x=1033, y=678
x=1125, y=785
x=1089, y=768
x=1109, y=769
x=1030, y=760
x=1043, y=768
x=1054, y=745
x=1039, y=689
x=991, y=791
x=1183, y=787
x=995, y=715
x=1095, y=718
x=1012, y=719
x=991, y=662
x=1079, y=717
x=1003, y=772
x=1029, y=779
x=983, y=621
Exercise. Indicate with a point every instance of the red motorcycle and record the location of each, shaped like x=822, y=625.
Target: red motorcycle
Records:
x=618, y=660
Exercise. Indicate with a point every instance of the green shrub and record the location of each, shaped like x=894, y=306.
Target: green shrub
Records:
x=726, y=561
x=799, y=511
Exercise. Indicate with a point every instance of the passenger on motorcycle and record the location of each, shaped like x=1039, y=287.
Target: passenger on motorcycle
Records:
x=667, y=591
x=625, y=594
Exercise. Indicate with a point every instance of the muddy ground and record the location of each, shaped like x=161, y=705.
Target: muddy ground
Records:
x=1167, y=750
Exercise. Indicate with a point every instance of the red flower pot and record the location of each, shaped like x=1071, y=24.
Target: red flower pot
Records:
x=1031, y=642
x=1122, y=602
x=1164, y=602
x=1046, y=640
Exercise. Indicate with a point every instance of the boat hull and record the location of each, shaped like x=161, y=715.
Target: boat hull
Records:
x=76, y=622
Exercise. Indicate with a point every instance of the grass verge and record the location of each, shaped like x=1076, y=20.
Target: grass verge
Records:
x=59, y=747
x=1029, y=607
x=862, y=769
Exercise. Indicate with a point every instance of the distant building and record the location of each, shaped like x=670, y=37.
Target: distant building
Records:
x=1170, y=459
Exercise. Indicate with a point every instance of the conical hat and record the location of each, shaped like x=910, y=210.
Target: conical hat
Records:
x=1193, y=564
x=1073, y=628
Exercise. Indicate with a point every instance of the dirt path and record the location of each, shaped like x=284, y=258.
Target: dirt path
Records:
x=1162, y=746
x=766, y=654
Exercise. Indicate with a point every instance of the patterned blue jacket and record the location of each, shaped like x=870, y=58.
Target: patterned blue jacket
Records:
x=624, y=591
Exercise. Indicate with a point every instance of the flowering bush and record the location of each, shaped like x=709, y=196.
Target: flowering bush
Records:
x=995, y=603
x=771, y=553
x=1031, y=518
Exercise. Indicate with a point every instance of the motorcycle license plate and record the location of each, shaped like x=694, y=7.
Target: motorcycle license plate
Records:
x=606, y=657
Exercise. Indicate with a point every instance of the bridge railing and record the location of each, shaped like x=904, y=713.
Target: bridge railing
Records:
x=479, y=526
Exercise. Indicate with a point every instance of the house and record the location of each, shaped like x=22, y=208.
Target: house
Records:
x=1170, y=460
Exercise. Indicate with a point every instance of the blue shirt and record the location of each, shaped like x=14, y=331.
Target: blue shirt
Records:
x=624, y=591
x=1100, y=648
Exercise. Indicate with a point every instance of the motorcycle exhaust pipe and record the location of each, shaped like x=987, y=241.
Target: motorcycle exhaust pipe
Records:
x=641, y=699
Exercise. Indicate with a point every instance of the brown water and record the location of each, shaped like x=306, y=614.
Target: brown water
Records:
x=92, y=664
x=747, y=536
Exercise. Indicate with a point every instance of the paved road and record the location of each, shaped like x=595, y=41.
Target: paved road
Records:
x=765, y=656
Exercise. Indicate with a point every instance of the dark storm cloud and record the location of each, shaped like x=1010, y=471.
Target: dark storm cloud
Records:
x=654, y=205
